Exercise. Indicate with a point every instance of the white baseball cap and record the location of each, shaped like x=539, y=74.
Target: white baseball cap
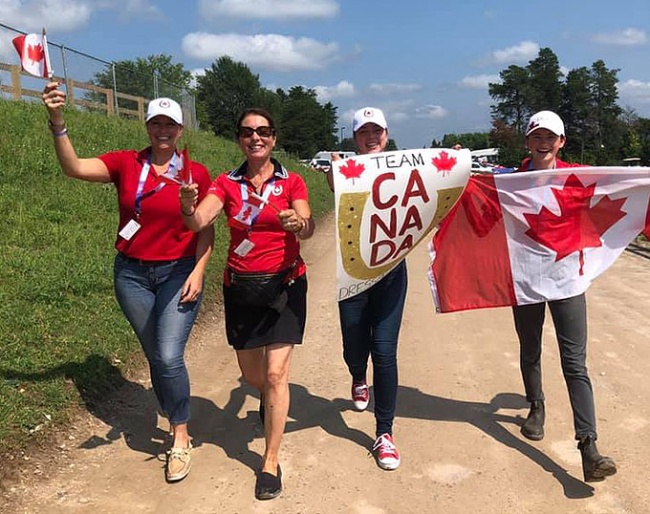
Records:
x=368, y=115
x=547, y=120
x=165, y=107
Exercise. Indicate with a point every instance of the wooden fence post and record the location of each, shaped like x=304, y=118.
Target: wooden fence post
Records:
x=15, y=82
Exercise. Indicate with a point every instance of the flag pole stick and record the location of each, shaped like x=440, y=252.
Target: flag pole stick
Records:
x=48, y=64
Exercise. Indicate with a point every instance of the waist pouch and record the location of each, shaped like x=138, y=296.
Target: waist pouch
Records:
x=259, y=289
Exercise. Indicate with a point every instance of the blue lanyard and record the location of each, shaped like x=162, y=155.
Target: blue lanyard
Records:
x=139, y=195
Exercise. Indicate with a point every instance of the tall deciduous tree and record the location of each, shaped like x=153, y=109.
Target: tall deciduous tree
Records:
x=307, y=126
x=227, y=88
x=148, y=77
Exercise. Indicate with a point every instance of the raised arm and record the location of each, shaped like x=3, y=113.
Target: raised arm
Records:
x=197, y=217
x=93, y=169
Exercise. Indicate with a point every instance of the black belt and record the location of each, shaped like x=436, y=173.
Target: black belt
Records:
x=143, y=262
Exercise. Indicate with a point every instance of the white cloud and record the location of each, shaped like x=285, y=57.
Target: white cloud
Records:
x=479, y=81
x=431, y=112
x=625, y=37
x=268, y=9
x=54, y=15
x=266, y=51
x=342, y=89
x=522, y=52
x=394, y=88
x=635, y=90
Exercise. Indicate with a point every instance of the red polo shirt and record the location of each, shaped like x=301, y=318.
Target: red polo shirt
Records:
x=162, y=235
x=274, y=248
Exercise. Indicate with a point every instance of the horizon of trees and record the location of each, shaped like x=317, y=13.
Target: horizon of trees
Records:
x=599, y=131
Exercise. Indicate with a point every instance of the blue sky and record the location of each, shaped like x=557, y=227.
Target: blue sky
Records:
x=425, y=64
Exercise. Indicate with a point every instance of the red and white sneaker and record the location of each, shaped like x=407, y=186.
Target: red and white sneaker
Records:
x=386, y=452
x=360, y=395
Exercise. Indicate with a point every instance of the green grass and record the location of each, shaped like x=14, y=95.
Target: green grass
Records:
x=64, y=341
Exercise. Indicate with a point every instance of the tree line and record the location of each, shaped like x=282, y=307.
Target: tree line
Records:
x=228, y=87
x=599, y=131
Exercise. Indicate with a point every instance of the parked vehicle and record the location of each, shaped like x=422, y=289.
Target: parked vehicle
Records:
x=321, y=165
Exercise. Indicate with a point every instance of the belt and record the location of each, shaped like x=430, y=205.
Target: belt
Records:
x=143, y=262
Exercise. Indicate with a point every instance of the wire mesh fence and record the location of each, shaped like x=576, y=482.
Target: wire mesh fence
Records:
x=91, y=83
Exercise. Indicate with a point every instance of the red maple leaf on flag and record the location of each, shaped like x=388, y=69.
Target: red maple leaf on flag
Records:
x=444, y=162
x=35, y=53
x=578, y=226
x=351, y=169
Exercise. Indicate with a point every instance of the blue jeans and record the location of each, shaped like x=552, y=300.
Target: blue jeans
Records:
x=370, y=323
x=149, y=296
x=570, y=320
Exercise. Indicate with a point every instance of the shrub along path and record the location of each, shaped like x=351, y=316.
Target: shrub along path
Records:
x=457, y=426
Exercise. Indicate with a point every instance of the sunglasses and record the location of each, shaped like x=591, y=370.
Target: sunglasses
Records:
x=263, y=131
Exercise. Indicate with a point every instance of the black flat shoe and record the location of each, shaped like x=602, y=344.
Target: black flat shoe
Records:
x=268, y=486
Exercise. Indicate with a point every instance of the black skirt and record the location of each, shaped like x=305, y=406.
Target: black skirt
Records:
x=250, y=327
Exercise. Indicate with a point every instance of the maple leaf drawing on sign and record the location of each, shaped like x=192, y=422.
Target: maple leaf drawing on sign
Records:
x=444, y=163
x=35, y=53
x=351, y=169
x=578, y=226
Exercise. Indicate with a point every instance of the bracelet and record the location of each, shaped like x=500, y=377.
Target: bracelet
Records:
x=55, y=126
x=64, y=132
x=188, y=214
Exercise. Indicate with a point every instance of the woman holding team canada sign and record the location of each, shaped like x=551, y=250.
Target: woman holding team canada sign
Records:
x=544, y=139
x=371, y=320
x=265, y=282
x=159, y=267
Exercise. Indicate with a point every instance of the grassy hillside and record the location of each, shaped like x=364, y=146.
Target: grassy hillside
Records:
x=64, y=341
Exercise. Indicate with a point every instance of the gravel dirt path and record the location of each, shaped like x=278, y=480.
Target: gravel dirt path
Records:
x=460, y=406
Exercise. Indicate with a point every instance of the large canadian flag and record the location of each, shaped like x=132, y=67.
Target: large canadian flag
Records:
x=530, y=237
x=34, y=56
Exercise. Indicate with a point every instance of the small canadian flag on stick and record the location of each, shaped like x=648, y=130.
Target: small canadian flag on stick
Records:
x=34, y=55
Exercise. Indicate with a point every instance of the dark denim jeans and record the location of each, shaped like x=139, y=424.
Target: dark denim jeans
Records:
x=149, y=297
x=570, y=321
x=370, y=324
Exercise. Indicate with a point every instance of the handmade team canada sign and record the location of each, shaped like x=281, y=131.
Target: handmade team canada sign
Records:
x=386, y=203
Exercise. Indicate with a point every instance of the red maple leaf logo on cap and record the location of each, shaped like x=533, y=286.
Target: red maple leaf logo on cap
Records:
x=444, y=163
x=578, y=226
x=35, y=53
x=351, y=169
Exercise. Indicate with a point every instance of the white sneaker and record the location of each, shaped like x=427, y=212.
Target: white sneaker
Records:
x=360, y=395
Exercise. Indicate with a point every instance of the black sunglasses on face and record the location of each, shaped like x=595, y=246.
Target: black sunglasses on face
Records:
x=262, y=131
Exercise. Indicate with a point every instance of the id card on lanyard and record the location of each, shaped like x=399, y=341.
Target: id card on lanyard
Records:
x=132, y=227
x=248, y=214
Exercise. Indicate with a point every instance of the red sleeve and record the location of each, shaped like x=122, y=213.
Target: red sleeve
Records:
x=299, y=188
x=114, y=163
x=217, y=187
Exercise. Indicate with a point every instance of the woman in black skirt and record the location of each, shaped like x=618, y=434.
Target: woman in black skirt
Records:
x=265, y=285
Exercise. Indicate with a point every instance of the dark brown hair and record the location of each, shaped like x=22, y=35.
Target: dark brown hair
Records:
x=259, y=112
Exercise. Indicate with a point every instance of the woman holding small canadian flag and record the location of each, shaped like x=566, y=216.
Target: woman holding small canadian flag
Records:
x=160, y=264
x=265, y=282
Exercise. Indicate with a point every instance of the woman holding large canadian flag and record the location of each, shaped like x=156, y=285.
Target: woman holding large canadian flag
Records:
x=160, y=264
x=528, y=257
